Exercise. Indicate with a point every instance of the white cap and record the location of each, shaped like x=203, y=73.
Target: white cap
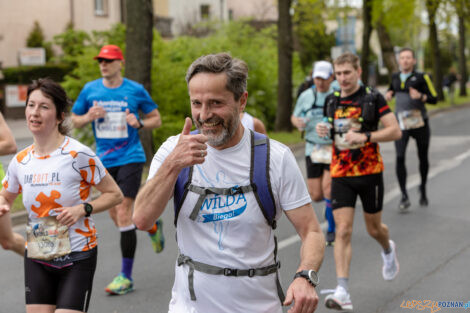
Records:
x=322, y=69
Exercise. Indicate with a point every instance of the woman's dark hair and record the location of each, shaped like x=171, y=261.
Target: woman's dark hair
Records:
x=57, y=94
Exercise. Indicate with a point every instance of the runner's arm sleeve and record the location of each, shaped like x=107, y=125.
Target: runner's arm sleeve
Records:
x=91, y=168
x=382, y=105
x=146, y=103
x=429, y=90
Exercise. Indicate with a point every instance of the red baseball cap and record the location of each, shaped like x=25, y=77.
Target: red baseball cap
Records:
x=110, y=52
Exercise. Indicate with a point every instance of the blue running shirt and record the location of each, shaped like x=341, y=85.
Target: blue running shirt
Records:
x=117, y=143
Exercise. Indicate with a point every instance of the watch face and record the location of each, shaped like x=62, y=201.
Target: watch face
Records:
x=312, y=275
x=88, y=209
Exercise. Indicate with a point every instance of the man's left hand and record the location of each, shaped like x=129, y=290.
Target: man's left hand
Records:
x=353, y=137
x=414, y=94
x=304, y=296
x=132, y=119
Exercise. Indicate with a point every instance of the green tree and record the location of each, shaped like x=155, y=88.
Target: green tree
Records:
x=72, y=42
x=431, y=7
x=388, y=18
x=139, y=37
x=285, y=50
x=462, y=7
x=36, y=40
x=366, y=32
x=312, y=41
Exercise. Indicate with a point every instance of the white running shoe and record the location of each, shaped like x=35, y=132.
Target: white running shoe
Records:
x=391, y=267
x=340, y=300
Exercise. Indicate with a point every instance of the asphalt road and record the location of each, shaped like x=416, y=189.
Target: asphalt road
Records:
x=431, y=242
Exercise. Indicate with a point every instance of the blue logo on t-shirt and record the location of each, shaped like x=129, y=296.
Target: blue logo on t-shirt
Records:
x=218, y=203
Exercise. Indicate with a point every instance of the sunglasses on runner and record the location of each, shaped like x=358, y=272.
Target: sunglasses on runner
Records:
x=105, y=60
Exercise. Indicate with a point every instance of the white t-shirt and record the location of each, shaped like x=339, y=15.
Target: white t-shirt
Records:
x=247, y=121
x=241, y=239
x=61, y=179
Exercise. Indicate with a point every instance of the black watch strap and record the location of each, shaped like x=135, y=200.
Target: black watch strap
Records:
x=310, y=275
x=88, y=209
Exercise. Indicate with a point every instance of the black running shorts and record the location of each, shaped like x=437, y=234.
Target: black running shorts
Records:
x=370, y=188
x=315, y=170
x=128, y=178
x=66, y=288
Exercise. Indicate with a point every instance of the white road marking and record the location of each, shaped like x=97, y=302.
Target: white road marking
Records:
x=412, y=182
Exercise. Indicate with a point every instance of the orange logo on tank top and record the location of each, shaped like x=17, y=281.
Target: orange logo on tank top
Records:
x=84, y=185
x=47, y=203
x=90, y=234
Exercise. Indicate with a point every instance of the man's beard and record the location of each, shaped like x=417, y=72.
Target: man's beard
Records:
x=228, y=129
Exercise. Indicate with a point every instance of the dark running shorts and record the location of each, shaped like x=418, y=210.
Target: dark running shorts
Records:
x=66, y=288
x=370, y=188
x=128, y=178
x=315, y=170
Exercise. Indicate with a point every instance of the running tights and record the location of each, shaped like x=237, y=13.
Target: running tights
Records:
x=422, y=136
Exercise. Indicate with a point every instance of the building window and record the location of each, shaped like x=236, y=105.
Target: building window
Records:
x=230, y=14
x=205, y=11
x=101, y=7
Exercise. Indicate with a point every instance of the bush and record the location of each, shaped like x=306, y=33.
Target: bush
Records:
x=25, y=74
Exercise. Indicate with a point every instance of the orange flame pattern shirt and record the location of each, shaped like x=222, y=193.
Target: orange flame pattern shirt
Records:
x=61, y=179
x=365, y=160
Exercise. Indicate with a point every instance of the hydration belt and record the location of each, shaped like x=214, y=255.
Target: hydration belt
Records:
x=216, y=270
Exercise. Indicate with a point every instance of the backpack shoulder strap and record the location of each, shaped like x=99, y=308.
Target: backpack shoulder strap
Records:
x=181, y=187
x=259, y=176
x=330, y=106
x=369, y=111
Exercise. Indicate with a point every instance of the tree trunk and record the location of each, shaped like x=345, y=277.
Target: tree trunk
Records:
x=431, y=6
x=388, y=54
x=367, y=22
x=139, y=37
x=284, y=44
x=462, y=60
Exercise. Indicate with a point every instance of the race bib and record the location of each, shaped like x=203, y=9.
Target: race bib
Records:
x=342, y=144
x=410, y=119
x=321, y=154
x=342, y=126
x=112, y=126
x=47, y=239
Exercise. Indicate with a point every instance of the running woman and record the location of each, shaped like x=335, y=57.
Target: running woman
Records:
x=55, y=175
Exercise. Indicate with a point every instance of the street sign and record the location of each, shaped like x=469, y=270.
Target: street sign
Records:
x=15, y=95
x=32, y=56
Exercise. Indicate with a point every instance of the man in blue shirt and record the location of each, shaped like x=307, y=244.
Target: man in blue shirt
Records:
x=308, y=112
x=111, y=104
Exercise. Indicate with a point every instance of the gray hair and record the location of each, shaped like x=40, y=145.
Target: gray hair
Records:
x=235, y=69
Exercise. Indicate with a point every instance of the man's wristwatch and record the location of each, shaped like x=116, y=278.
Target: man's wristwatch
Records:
x=309, y=275
x=368, y=136
x=141, y=123
x=88, y=209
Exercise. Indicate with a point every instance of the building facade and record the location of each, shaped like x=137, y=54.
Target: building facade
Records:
x=17, y=19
